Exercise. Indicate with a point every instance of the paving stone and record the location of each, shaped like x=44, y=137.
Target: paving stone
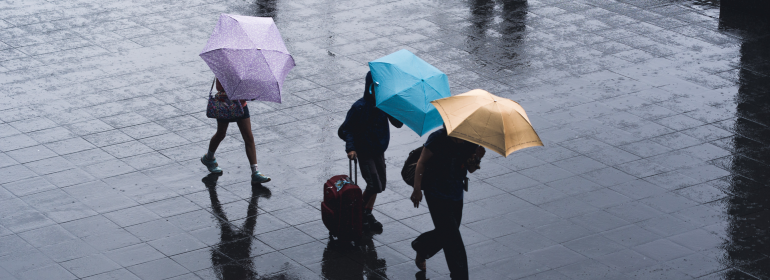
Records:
x=652, y=114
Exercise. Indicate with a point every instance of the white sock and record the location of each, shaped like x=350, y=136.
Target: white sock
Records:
x=253, y=168
x=210, y=155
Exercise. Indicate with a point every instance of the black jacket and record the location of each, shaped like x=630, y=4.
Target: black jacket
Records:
x=366, y=129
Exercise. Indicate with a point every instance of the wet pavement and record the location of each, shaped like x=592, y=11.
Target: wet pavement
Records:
x=654, y=114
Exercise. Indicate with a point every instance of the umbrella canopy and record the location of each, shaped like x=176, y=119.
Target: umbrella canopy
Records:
x=248, y=57
x=405, y=86
x=497, y=123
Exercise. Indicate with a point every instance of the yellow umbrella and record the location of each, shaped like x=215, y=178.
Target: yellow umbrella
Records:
x=497, y=123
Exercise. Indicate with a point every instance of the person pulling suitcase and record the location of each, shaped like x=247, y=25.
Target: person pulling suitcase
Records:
x=366, y=132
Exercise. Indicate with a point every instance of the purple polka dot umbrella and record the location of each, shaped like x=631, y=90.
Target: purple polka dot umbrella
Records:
x=248, y=57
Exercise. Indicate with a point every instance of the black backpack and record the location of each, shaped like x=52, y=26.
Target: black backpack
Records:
x=339, y=131
x=410, y=165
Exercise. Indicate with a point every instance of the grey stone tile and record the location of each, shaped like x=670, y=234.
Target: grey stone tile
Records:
x=28, y=186
x=108, y=168
x=53, y=270
x=518, y=267
x=662, y=250
x=608, y=176
x=47, y=236
x=539, y=194
x=660, y=271
x=69, y=146
x=546, y=173
x=599, y=221
x=633, y=211
x=626, y=261
x=30, y=154
x=115, y=274
x=88, y=157
x=154, y=230
x=511, y=182
x=48, y=166
x=177, y=244
x=15, y=142
x=68, y=250
x=131, y=216
x=59, y=206
x=603, y=198
x=697, y=240
x=489, y=251
x=277, y=241
x=532, y=217
x=668, y=202
x=667, y=225
x=90, y=265
x=574, y=185
x=157, y=269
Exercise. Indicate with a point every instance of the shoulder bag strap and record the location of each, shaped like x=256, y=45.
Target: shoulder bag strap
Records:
x=212, y=86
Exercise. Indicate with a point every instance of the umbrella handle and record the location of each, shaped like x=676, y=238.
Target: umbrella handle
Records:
x=351, y=168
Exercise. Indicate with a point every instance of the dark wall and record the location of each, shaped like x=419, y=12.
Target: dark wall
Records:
x=743, y=8
x=748, y=244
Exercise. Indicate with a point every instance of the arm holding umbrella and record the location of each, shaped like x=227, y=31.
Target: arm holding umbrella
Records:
x=395, y=122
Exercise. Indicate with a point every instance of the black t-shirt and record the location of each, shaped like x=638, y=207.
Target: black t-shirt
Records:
x=446, y=170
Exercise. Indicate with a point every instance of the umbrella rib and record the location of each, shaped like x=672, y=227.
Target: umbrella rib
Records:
x=236, y=87
x=502, y=120
x=432, y=87
x=445, y=112
x=530, y=125
x=268, y=66
x=402, y=70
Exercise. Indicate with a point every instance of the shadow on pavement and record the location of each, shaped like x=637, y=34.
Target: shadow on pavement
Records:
x=343, y=261
x=231, y=256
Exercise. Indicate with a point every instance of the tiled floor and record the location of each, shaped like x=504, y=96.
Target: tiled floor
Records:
x=654, y=114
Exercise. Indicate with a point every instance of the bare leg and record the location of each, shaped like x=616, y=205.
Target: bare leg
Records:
x=218, y=136
x=369, y=200
x=248, y=139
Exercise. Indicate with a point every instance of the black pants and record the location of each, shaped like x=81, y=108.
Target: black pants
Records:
x=446, y=215
x=373, y=171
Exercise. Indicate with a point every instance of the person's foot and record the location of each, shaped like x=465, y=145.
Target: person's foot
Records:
x=258, y=178
x=211, y=164
x=370, y=222
x=419, y=259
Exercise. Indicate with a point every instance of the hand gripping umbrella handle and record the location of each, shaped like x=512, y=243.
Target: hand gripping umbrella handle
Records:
x=350, y=166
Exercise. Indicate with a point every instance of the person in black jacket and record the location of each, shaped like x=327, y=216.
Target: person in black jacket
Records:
x=366, y=132
x=441, y=173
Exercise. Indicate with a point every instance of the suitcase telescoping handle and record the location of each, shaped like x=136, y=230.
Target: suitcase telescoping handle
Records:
x=353, y=168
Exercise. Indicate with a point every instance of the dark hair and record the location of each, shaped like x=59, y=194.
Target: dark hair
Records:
x=368, y=87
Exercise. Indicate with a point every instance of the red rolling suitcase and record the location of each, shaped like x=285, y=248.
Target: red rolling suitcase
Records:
x=341, y=210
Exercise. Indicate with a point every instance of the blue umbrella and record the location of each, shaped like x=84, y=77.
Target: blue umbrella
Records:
x=405, y=86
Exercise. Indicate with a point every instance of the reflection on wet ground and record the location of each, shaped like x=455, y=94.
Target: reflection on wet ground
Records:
x=654, y=113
